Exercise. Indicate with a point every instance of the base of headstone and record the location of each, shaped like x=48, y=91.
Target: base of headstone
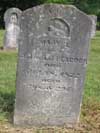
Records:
x=45, y=124
x=10, y=49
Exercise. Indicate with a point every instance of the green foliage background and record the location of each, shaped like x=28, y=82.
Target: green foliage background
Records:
x=88, y=6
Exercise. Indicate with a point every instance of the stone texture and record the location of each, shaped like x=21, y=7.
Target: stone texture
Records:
x=12, y=17
x=52, y=61
x=94, y=22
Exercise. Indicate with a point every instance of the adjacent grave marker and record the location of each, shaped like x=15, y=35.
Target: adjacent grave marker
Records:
x=94, y=21
x=53, y=50
x=11, y=18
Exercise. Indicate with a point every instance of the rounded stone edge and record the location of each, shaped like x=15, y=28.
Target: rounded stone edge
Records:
x=60, y=5
x=9, y=11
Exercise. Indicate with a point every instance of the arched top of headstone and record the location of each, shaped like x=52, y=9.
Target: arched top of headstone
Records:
x=62, y=15
x=15, y=13
x=51, y=7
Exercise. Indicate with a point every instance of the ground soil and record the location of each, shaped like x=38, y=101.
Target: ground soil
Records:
x=89, y=123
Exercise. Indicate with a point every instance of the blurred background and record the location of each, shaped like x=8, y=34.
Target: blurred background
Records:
x=88, y=6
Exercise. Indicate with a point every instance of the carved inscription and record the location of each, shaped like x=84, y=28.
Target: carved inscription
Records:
x=58, y=27
x=53, y=48
x=56, y=12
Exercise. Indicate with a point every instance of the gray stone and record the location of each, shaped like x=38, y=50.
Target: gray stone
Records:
x=94, y=22
x=12, y=17
x=52, y=61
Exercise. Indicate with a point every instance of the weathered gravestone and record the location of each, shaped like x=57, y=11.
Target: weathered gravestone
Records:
x=52, y=61
x=94, y=21
x=11, y=18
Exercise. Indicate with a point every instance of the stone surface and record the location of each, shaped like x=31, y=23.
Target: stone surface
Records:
x=52, y=61
x=12, y=17
x=94, y=21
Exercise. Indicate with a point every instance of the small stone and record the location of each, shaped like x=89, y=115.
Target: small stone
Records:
x=12, y=17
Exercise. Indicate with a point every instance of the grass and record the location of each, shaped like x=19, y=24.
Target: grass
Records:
x=92, y=82
x=91, y=100
x=7, y=81
x=1, y=37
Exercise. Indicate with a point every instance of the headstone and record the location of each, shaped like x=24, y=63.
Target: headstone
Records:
x=94, y=22
x=12, y=29
x=52, y=61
